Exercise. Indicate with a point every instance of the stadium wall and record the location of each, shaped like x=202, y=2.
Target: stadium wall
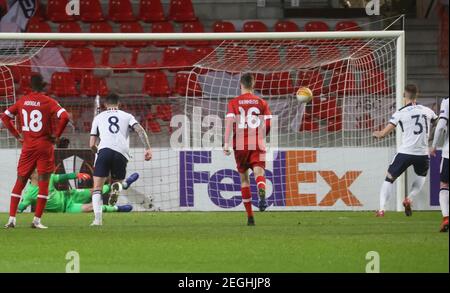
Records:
x=207, y=181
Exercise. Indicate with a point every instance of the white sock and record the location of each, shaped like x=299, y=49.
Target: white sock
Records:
x=385, y=194
x=97, y=204
x=443, y=201
x=12, y=220
x=36, y=220
x=416, y=186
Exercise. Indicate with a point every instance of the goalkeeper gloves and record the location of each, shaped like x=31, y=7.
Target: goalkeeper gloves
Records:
x=83, y=176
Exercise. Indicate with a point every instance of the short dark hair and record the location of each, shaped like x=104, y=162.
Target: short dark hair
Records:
x=37, y=83
x=413, y=90
x=247, y=80
x=112, y=99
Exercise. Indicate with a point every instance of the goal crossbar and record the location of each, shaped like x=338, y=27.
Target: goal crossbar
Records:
x=199, y=36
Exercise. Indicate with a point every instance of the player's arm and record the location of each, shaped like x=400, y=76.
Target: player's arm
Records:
x=7, y=120
x=93, y=140
x=60, y=178
x=440, y=131
x=229, y=121
x=63, y=118
x=143, y=137
x=389, y=128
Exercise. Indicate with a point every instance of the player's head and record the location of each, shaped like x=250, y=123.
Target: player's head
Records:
x=411, y=92
x=247, y=82
x=112, y=101
x=37, y=83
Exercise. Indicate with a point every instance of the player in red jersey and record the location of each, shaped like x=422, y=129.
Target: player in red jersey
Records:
x=35, y=112
x=248, y=116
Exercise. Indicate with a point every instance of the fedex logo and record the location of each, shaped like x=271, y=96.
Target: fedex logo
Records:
x=286, y=179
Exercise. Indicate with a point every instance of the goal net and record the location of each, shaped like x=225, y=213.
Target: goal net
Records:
x=322, y=154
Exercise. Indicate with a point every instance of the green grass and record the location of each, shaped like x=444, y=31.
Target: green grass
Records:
x=220, y=242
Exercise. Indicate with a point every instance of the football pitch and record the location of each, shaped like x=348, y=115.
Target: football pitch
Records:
x=221, y=242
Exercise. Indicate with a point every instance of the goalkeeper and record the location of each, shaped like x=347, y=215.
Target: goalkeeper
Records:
x=72, y=200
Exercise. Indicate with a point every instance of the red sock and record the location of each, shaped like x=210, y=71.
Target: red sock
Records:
x=247, y=199
x=261, y=182
x=42, y=198
x=15, y=197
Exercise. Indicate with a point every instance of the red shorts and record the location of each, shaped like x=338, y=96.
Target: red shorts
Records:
x=249, y=159
x=41, y=158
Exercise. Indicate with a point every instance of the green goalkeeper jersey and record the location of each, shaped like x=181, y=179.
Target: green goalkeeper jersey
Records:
x=57, y=198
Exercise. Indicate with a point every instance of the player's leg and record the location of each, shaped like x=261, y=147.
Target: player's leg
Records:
x=102, y=169
x=247, y=196
x=443, y=194
x=261, y=185
x=24, y=169
x=421, y=165
x=397, y=167
x=118, y=173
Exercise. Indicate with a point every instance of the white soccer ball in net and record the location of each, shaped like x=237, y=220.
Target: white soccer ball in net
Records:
x=304, y=95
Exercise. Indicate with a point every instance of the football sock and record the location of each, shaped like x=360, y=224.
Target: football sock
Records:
x=109, y=209
x=385, y=194
x=416, y=186
x=443, y=201
x=97, y=204
x=247, y=199
x=42, y=198
x=261, y=182
x=15, y=197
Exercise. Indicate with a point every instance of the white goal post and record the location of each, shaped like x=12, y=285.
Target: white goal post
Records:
x=398, y=36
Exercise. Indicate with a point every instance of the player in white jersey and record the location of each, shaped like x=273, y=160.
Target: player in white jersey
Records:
x=415, y=122
x=112, y=127
x=441, y=134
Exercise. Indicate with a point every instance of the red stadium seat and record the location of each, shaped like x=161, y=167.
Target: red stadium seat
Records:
x=102, y=27
x=274, y=84
x=186, y=84
x=81, y=60
x=299, y=56
x=153, y=126
x=324, y=110
x=223, y=27
x=92, y=85
x=375, y=82
x=181, y=11
x=254, y=27
x=156, y=84
x=163, y=27
x=330, y=56
x=267, y=59
x=25, y=84
x=40, y=11
x=199, y=53
x=71, y=27
x=316, y=26
x=286, y=26
x=121, y=11
x=309, y=125
x=56, y=11
x=334, y=124
x=20, y=70
x=164, y=112
x=176, y=59
x=347, y=26
x=130, y=28
x=311, y=79
x=63, y=84
x=235, y=58
x=35, y=25
x=91, y=11
x=342, y=83
x=194, y=27
x=151, y=11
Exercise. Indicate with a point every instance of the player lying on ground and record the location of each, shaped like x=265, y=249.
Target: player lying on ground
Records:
x=35, y=112
x=243, y=123
x=112, y=127
x=72, y=200
x=441, y=134
x=415, y=122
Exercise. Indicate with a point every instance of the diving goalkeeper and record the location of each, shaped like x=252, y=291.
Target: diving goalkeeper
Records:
x=72, y=200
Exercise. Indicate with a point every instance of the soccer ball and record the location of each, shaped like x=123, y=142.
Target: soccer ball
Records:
x=304, y=95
